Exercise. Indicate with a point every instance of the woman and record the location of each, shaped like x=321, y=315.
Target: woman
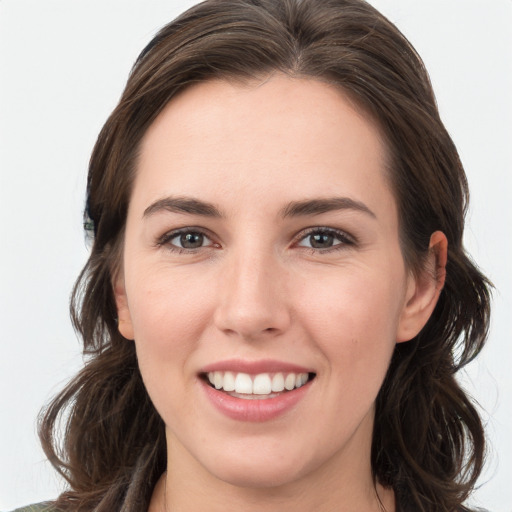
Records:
x=277, y=284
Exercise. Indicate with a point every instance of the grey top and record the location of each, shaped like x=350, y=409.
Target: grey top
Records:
x=37, y=507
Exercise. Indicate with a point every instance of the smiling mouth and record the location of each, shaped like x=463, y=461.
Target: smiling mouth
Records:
x=256, y=387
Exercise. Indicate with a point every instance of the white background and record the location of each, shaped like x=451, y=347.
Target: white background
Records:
x=63, y=64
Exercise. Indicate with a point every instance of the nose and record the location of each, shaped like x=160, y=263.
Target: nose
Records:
x=253, y=300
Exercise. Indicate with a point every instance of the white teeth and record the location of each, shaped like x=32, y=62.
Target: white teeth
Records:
x=217, y=380
x=278, y=383
x=261, y=384
x=301, y=379
x=243, y=383
x=229, y=381
x=289, y=382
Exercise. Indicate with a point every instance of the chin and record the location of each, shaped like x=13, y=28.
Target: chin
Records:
x=255, y=477
x=259, y=469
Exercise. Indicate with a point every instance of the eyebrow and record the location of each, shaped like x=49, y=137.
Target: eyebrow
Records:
x=187, y=205
x=307, y=207
x=319, y=206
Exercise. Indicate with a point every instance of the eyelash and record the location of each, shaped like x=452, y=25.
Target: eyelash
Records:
x=165, y=240
x=345, y=240
x=342, y=237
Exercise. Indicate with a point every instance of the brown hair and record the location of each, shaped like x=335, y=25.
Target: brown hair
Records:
x=428, y=441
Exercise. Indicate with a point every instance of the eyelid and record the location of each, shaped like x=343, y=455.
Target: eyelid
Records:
x=345, y=238
x=165, y=239
x=342, y=236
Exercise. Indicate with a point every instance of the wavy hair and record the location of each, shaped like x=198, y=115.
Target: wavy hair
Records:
x=428, y=441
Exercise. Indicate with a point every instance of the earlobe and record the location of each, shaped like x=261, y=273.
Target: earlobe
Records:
x=423, y=290
x=124, y=321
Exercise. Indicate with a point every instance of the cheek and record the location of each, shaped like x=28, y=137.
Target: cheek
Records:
x=353, y=318
x=168, y=312
x=168, y=301
x=168, y=317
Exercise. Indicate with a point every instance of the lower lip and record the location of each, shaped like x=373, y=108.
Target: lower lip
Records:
x=256, y=410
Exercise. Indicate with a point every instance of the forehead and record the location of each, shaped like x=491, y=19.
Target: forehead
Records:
x=268, y=105
x=292, y=136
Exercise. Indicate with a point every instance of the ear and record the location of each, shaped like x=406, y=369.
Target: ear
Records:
x=124, y=320
x=424, y=289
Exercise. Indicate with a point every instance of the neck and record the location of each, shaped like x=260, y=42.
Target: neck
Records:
x=379, y=499
x=187, y=485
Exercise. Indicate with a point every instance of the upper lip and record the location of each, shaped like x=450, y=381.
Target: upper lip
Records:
x=254, y=367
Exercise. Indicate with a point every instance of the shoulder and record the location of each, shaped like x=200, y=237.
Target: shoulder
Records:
x=38, y=507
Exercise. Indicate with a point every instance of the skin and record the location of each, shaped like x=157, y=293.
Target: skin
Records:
x=256, y=289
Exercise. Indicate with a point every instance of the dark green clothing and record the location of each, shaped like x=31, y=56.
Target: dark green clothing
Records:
x=37, y=507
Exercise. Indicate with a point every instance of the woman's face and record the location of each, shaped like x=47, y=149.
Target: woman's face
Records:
x=262, y=253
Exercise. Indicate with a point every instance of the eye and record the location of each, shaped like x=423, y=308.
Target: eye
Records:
x=185, y=240
x=325, y=238
x=192, y=240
